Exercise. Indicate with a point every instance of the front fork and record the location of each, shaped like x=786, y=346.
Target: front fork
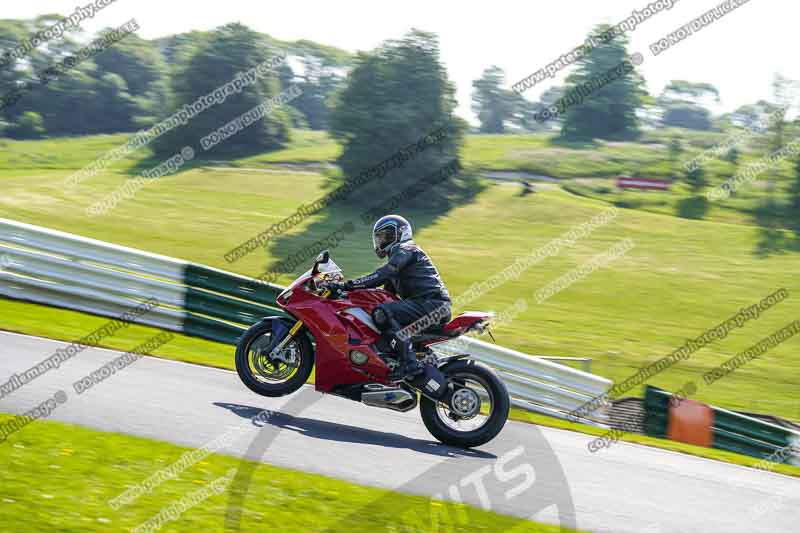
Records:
x=276, y=352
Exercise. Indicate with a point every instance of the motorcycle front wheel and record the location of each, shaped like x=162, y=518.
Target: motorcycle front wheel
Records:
x=270, y=376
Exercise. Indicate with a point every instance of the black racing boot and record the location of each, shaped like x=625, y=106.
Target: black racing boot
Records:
x=409, y=366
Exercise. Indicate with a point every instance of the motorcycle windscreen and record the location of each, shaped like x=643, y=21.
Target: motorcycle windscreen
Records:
x=330, y=269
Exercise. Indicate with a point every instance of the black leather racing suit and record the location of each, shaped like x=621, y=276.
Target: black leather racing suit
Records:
x=409, y=274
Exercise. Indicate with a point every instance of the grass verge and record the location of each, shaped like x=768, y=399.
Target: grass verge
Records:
x=60, y=477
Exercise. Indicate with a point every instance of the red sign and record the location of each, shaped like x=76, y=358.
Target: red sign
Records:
x=642, y=183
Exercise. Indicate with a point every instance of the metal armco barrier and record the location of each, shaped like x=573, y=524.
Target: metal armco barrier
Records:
x=535, y=384
x=64, y=270
x=729, y=431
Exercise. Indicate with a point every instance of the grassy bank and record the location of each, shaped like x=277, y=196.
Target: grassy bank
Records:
x=71, y=473
x=682, y=277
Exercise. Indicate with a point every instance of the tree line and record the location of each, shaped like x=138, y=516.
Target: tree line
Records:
x=370, y=102
x=615, y=112
x=137, y=82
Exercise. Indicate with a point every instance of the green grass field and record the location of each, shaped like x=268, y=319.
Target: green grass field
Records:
x=683, y=276
x=76, y=471
x=588, y=169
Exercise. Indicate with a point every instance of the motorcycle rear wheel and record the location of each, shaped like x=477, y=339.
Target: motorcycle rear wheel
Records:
x=442, y=421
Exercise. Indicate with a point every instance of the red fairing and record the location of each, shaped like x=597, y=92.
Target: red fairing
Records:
x=464, y=321
x=458, y=326
x=339, y=326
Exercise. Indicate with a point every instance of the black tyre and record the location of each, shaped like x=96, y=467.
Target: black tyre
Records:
x=269, y=377
x=462, y=423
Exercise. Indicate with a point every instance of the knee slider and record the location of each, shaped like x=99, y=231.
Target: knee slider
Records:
x=381, y=317
x=384, y=319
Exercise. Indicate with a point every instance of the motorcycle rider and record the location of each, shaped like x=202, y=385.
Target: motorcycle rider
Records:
x=409, y=274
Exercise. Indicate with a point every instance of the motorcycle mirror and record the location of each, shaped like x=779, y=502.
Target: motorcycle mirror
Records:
x=322, y=258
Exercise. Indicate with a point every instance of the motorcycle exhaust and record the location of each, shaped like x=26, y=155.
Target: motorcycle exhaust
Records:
x=393, y=398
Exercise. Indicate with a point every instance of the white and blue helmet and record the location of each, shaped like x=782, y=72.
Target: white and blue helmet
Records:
x=389, y=231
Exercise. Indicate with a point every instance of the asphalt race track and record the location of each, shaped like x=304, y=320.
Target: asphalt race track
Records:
x=533, y=472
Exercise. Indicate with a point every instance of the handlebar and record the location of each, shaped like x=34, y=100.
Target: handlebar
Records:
x=325, y=285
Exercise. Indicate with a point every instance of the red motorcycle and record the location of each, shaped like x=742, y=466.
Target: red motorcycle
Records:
x=462, y=402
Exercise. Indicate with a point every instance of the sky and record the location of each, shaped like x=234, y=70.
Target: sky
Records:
x=739, y=54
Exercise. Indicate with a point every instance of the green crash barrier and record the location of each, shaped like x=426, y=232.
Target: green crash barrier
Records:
x=226, y=308
x=235, y=298
x=656, y=412
x=752, y=427
x=742, y=444
x=210, y=329
x=231, y=284
x=732, y=432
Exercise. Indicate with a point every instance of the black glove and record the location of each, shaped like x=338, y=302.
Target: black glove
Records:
x=334, y=286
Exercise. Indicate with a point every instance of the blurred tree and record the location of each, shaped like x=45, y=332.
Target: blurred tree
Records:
x=286, y=75
x=783, y=90
x=146, y=75
x=696, y=179
x=214, y=62
x=319, y=81
x=675, y=149
x=94, y=96
x=732, y=156
x=610, y=111
x=493, y=104
x=794, y=193
x=682, y=103
x=178, y=49
x=296, y=118
x=551, y=95
x=138, y=62
x=29, y=126
x=687, y=116
x=118, y=105
x=83, y=99
x=320, y=72
x=395, y=96
x=686, y=91
x=70, y=104
x=752, y=116
x=525, y=112
x=12, y=32
x=128, y=86
x=516, y=110
x=18, y=72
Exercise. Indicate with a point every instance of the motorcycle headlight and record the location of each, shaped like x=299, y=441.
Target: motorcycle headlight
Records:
x=358, y=357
